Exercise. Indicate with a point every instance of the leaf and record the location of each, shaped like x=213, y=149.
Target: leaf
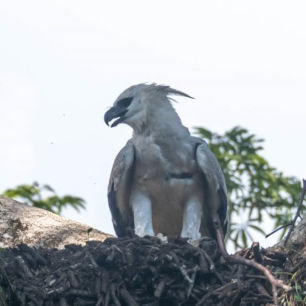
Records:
x=257, y=228
x=244, y=239
x=48, y=188
x=32, y=195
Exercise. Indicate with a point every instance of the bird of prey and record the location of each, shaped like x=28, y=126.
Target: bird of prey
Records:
x=163, y=180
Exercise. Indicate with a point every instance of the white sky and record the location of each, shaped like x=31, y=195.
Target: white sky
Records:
x=63, y=63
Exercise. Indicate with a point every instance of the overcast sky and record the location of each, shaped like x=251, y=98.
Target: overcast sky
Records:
x=63, y=63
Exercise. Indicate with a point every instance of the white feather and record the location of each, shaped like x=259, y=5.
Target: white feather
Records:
x=142, y=215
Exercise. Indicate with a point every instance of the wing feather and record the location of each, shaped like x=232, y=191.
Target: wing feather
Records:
x=215, y=184
x=119, y=191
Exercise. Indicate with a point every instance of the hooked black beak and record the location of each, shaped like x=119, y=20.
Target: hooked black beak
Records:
x=115, y=112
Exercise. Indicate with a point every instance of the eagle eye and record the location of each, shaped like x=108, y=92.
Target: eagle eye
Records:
x=124, y=103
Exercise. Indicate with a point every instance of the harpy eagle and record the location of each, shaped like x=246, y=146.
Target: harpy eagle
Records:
x=163, y=180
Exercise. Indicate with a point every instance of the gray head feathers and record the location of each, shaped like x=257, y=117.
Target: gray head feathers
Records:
x=168, y=91
x=143, y=106
x=153, y=89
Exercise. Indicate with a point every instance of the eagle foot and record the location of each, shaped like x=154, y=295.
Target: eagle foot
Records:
x=198, y=242
x=162, y=237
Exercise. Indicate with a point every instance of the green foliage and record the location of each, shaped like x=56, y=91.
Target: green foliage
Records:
x=297, y=296
x=44, y=197
x=255, y=188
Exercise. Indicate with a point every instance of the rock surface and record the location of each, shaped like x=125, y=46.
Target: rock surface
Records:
x=20, y=223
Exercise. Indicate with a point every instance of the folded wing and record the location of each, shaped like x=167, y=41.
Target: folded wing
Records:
x=215, y=188
x=119, y=191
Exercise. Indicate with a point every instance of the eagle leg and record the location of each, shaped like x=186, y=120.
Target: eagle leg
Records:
x=219, y=234
x=192, y=219
x=142, y=210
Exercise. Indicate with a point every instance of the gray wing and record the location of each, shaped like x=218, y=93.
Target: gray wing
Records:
x=215, y=187
x=119, y=191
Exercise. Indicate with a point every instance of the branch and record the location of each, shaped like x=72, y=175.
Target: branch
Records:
x=251, y=263
x=293, y=221
x=297, y=212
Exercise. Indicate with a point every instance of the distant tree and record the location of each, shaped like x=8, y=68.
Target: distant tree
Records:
x=44, y=196
x=255, y=188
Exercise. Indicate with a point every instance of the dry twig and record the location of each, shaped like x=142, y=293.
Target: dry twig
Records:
x=293, y=221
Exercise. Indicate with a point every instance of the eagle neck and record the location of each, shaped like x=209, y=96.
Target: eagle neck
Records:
x=163, y=122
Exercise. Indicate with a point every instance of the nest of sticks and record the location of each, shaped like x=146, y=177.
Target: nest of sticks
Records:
x=141, y=271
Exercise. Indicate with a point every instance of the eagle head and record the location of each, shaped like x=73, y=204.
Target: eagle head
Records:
x=137, y=103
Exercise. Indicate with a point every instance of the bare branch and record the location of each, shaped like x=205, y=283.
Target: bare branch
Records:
x=297, y=212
